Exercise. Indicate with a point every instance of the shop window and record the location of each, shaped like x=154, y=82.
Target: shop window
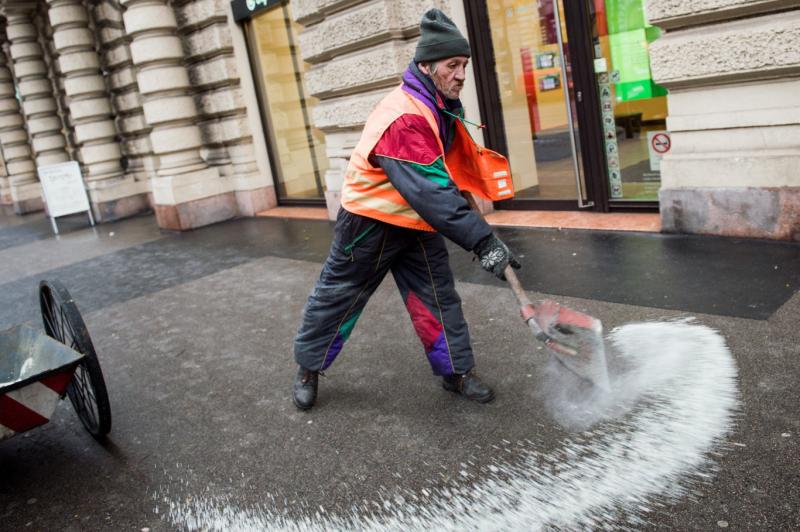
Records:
x=297, y=148
x=634, y=107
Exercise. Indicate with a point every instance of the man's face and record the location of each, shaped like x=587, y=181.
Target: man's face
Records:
x=449, y=76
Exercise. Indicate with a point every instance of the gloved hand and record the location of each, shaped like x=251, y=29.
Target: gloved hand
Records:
x=495, y=256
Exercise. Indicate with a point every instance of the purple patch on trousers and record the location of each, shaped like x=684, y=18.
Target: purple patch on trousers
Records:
x=333, y=351
x=439, y=357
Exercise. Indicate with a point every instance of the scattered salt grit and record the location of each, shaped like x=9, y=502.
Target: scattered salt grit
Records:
x=673, y=405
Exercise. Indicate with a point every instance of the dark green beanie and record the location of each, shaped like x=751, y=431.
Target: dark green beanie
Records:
x=439, y=38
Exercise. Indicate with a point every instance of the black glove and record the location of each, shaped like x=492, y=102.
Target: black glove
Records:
x=495, y=256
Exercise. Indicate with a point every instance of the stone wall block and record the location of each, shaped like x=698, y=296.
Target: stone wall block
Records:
x=42, y=124
x=134, y=123
x=200, y=13
x=170, y=109
x=129, y=102
x=107, y=13
x=123, y=79
x=670, y=14
x=345, y=113
x=97, y=155
x=84, y=85
x=92, y=108
x=36, y=87
x=46, y=146
x=138, y=146
x=29, y=69
x=221, y=102
x=176, y=139
x=362, y=26
x=11, y=133
x=163, y=79
x=61, y=14
x=148, y=18
x=118, y=55
x=20, y=28
x=18, y=151
x=209, y=41
x=79, y=62
x=71, y=37
x=111, y=36
x=740, y=50
x=377, y=66
x=26, y=50
x=156, y=48
x=215, y=72
x=95, y=131
x=235, y=128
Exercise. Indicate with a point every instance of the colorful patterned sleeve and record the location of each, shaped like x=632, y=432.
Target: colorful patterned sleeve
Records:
x=409, y=154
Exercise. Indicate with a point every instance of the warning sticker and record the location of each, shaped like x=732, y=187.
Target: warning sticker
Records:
x=658, y=143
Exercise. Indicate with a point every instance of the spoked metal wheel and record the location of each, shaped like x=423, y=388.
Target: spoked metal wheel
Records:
x=87, y=389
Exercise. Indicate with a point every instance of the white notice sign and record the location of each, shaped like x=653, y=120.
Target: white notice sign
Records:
x=63, y=188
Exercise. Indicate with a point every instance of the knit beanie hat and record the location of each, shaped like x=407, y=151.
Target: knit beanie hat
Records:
x=439, y=38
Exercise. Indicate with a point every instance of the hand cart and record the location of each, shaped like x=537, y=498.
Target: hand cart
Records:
x=36, y=369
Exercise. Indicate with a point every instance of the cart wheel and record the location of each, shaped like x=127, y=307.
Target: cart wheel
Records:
x=87, y=389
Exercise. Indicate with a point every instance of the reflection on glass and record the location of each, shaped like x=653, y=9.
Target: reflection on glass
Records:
x=634, y=108
x=528, y=64
x=298, y=148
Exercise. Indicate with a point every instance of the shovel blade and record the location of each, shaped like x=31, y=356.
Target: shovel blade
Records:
x=574, y=338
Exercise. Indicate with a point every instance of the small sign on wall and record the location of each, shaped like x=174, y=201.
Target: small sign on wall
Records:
x=658, y=143
x=64, y=191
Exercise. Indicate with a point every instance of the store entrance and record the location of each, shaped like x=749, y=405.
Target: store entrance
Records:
x=566, y=92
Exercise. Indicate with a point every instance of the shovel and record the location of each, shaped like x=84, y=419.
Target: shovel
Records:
x=575, y=339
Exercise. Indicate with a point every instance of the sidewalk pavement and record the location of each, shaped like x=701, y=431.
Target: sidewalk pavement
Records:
x=194, y=334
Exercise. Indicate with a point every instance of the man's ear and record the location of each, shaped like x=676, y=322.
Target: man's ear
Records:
x=424, y=69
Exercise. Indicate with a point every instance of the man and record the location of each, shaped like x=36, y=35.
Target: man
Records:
x=398, y=199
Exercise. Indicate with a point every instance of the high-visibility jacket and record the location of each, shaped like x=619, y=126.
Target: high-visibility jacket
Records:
x=367, y=190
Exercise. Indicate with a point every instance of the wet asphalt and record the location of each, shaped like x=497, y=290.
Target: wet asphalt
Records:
x=194, y=334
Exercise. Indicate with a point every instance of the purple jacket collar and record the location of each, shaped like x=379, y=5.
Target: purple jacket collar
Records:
x=422, y=88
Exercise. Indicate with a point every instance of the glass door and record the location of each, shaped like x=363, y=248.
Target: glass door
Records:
x=536, y=101
x=296, y=147
x=633, y=108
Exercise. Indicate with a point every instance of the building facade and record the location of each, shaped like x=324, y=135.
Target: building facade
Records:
x=206, y=110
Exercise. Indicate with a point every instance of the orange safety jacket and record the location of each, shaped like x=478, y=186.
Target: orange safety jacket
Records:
x=367, y=190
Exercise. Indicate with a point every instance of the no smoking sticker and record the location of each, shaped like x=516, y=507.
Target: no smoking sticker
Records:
x=658, y=143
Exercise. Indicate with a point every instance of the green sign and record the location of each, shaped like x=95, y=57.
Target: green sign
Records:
x=629, y=36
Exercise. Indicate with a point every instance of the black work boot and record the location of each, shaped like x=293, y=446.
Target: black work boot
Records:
x=305, y=388
x=469, y=385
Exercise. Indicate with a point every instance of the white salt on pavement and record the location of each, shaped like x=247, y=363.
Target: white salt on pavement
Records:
x=674, y=402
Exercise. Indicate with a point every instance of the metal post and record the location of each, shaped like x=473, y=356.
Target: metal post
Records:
x=565, y=88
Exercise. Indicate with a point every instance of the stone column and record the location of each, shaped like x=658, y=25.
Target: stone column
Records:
x=23, y=190
x=732, y=68
x=112, y=195
x=216, y=75
x=38, y=104
x=126, y=99
x=186, y=192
